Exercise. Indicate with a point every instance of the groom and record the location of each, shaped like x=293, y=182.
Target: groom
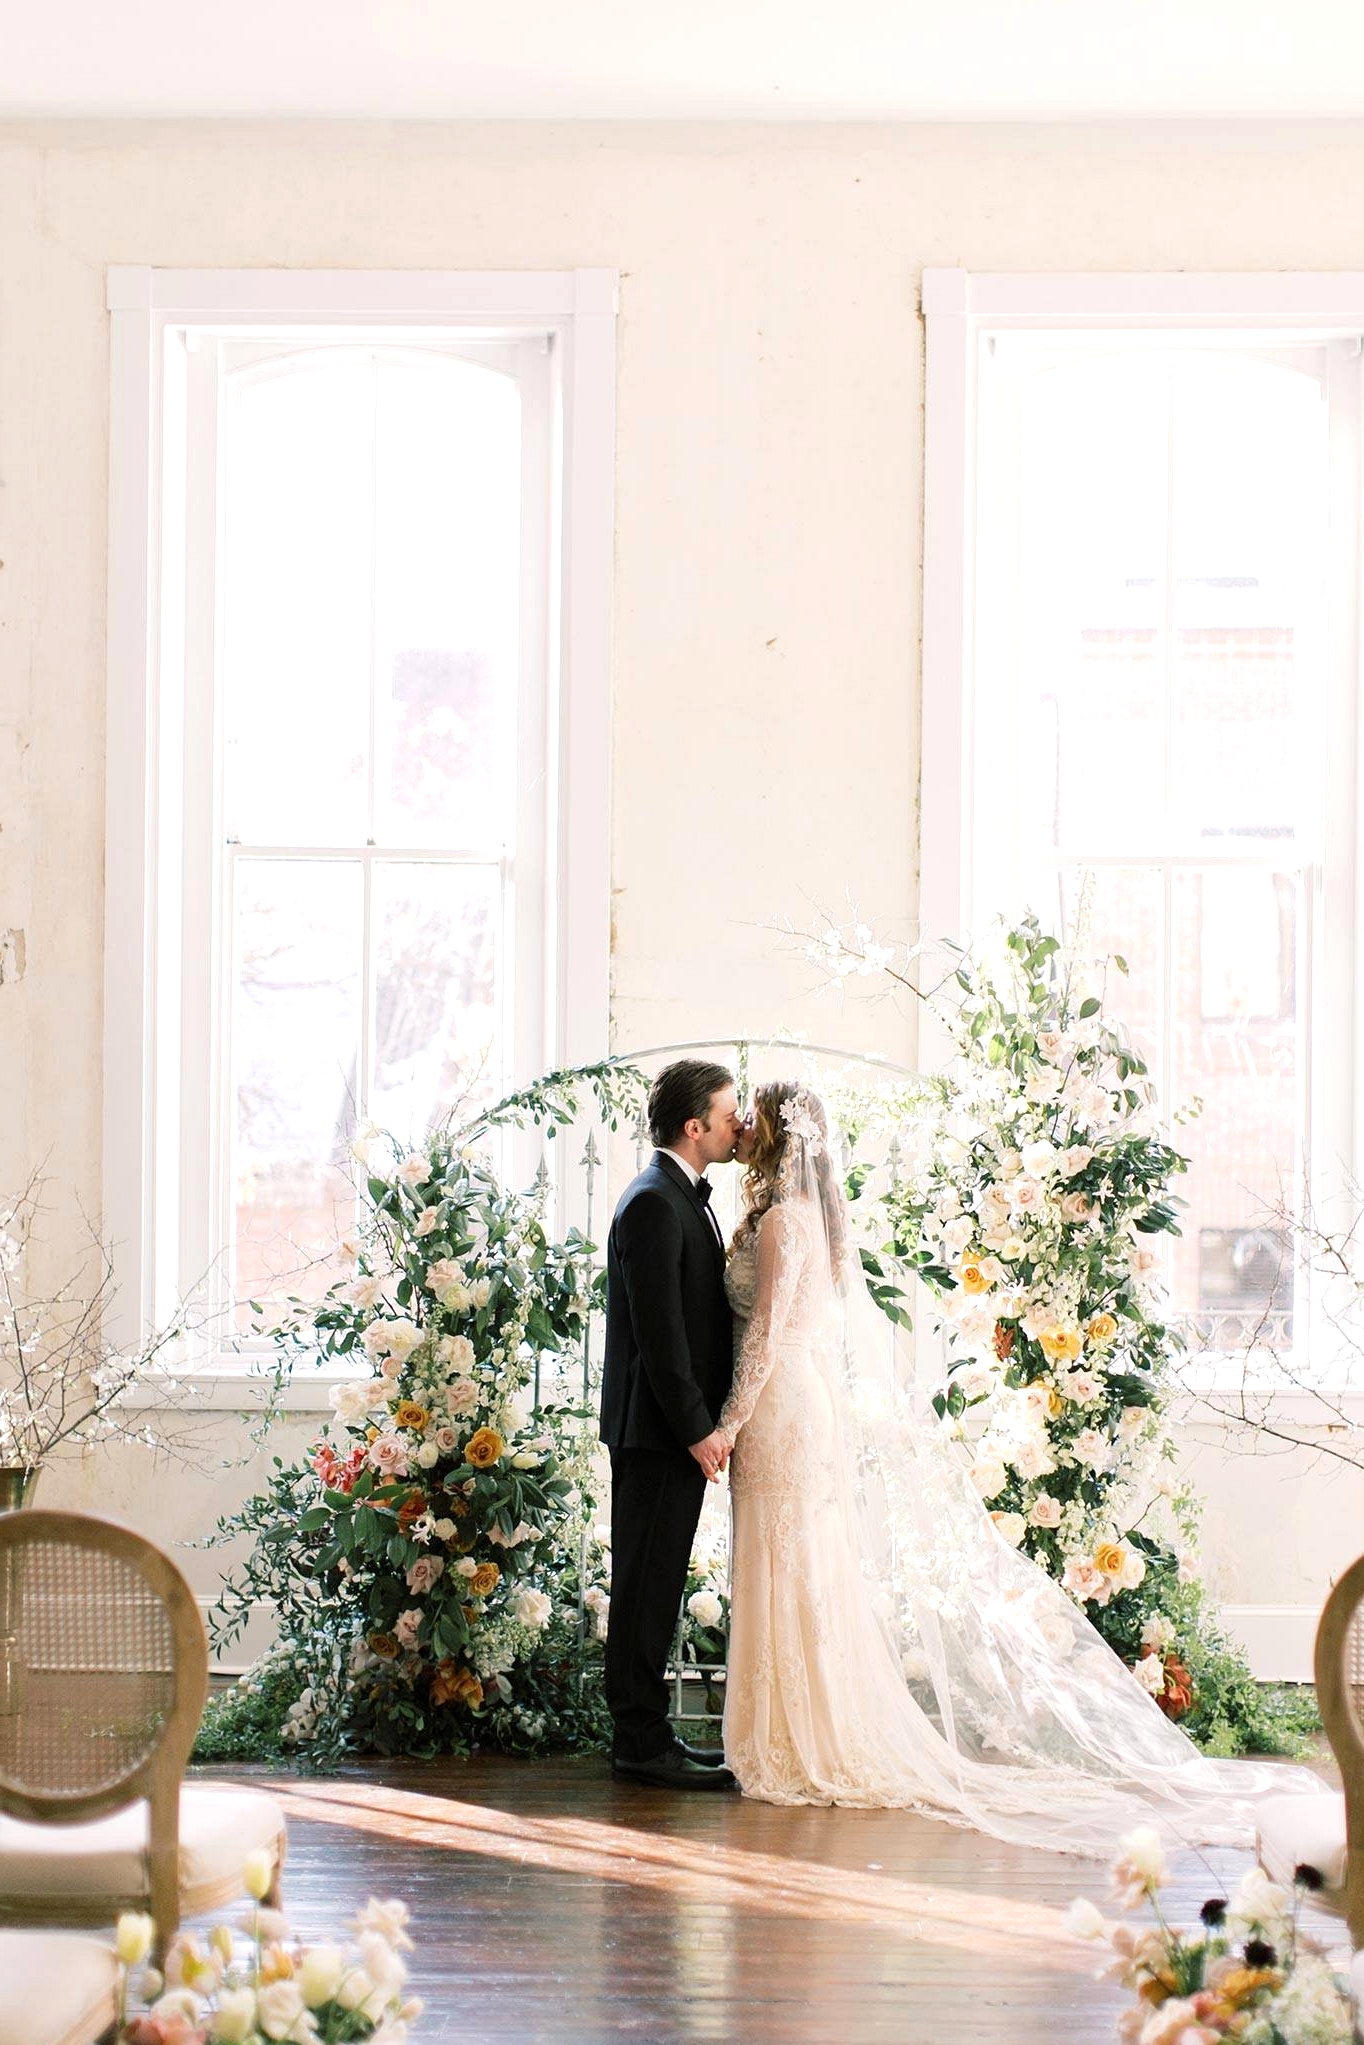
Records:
x=669, y=1359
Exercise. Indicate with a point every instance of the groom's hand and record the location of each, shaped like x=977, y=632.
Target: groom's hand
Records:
x=712, y=1454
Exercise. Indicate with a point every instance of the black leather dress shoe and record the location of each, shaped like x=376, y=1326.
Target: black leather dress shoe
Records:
x=673, y=1769
x=709, y=1757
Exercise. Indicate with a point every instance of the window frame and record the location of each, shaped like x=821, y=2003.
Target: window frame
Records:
x=962, y=311
x=162, y=998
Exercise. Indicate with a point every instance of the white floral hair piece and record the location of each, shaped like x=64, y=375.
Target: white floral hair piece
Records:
x=799, y=1121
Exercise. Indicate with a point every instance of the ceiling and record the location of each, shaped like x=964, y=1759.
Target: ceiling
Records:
x=689, y=60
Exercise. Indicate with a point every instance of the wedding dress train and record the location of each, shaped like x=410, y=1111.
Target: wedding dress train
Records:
x=888, y=1648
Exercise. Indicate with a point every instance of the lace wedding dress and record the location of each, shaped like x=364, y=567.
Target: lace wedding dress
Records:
x=888, y=1648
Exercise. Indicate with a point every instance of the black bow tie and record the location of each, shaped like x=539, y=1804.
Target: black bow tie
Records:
x=703, y=1191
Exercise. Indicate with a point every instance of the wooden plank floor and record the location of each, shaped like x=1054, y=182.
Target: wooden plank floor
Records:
x=553, y=1904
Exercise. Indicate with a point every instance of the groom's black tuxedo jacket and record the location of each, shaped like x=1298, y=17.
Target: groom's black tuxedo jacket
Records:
x=669, y=1330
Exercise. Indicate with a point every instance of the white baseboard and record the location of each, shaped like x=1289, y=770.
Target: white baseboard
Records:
x=254, y=1640
x=1278, y=1639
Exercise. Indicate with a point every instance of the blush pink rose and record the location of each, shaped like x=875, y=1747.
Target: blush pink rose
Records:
x=388, y=1456
x=423, y=1573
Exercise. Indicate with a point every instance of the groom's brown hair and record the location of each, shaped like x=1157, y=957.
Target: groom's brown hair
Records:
x=681, y=1091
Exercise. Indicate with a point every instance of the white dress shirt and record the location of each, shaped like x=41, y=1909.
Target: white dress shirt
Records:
x=694, y=1179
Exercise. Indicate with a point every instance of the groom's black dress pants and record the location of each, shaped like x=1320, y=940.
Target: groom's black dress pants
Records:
x=655, y=1504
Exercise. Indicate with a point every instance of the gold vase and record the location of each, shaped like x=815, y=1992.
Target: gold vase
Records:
x=17, y=1482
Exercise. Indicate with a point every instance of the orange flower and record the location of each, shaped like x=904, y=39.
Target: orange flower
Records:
x=1005, y=1337
x=384, y=1645
x=1177, y=1696
x=1108, y=1557
x=484, y=1448
x=485, y=1580
x=410, y=1414
x=412, y=1508
x=452, y=1684
x=276, y=1963
x=1102, y=1328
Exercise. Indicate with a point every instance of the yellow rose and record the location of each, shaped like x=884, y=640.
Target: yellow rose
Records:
x=970, y=1277
x=484, y=1448
x=1102, y=1328
x=1109, y=1557
x=1061, y=1345
x=485, y=1580
x=410, y=1414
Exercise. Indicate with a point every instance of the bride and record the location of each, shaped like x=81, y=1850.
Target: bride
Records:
x=888, y=1648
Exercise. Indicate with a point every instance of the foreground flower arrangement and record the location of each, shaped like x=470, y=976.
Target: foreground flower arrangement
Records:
x=254, y=1989
x=1247, y=1974
x=425, y=1560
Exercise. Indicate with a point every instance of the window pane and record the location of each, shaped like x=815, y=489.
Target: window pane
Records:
x=448, y=498
x=295, y=1056
x=1121, y=909
x=437, y=1016
x=1090, y=534
x=1235, y=1049
x=1249, y=545
x=295, y=603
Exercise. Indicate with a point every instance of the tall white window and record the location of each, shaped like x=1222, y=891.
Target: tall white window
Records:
x=368, y=891
x=1155, y=705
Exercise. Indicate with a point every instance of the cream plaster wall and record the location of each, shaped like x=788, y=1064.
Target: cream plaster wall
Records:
x=769, y=481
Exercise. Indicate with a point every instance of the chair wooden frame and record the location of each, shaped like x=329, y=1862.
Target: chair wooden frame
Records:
x=158, y=1778
x=1344, y=1731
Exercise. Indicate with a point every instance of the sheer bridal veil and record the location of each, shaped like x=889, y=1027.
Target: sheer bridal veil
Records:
x=1032, y=1729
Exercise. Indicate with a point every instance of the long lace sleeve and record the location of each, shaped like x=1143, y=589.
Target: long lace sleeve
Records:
x=782, y=1250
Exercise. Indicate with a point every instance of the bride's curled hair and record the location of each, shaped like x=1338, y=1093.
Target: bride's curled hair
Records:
x=771, y=1135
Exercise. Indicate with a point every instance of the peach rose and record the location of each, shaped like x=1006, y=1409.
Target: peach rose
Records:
x=485, y=1580
x=484, y=1448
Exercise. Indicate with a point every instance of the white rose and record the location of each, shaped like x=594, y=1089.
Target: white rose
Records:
x=1046, y=1511
x=1150, y=1673
x=234, y=2020
x=1011, y=1525
x=415, y=1169
x=1081, y=1387
x=1027, y=1196
x=1133, y=1571
x=466, y=1566
x=1032, y=1460
x=989, y=1477
x=319, y=1974
x=524, y=1460
x=1133, y=1419
x=958, y=1233
x=977, y=1382
x=362, y=1292
x=1074, y=1159
x=1010, y=1164
x=530, y=1607
x=444, y=1530
x=428, y=1455
x=1256, y=1900
x=428, y=1221
x=1091, y=1448
x=1043, y=1085
x=705, y=1608
x=949, y=1205
x=481, y=1292
x=952, y=1151
x=1040, y=1159
x=1053, y=1045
